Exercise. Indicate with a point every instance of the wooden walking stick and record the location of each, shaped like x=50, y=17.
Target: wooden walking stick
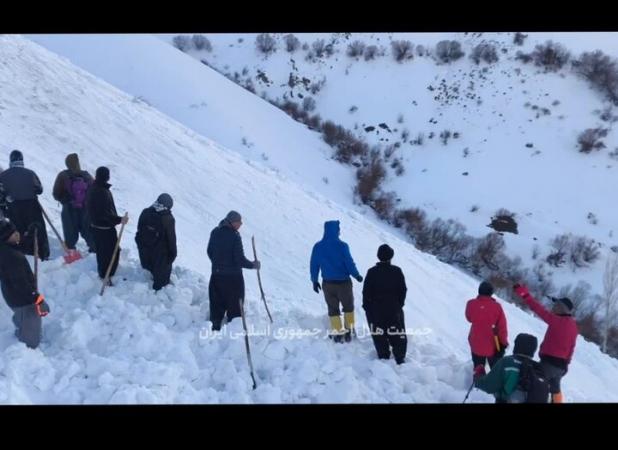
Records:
x=111, y=263
x=260, y=280
x=71, y=255
x=244, y=324
x=36, y=262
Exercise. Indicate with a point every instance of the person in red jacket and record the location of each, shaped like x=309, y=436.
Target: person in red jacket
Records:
x=558, y=344
x=488, y=336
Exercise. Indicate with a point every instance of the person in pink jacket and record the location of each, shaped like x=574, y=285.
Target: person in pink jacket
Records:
x=558, y=344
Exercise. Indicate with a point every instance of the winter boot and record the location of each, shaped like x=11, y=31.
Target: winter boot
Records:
x=348, y=319
x=336, y=328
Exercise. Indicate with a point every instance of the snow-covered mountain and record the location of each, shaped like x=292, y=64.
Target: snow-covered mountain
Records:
x=132, y=345
x=512, y=126
x=513, y=129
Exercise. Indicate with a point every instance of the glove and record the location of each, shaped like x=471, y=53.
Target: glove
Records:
x=502, y=350
x=32, y=229
x=479, y=371
x=42, y=308
x=359, y=279
x=521, y=290
x=257, y=264
x=316, y=287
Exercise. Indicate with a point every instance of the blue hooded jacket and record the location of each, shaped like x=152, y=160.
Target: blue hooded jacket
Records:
x=332, y=256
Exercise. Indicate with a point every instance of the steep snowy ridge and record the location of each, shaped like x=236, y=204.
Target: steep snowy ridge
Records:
x=133, y=345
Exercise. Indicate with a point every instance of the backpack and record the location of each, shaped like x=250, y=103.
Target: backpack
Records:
x=76, y=187
x=150, y=231
x=532, y=382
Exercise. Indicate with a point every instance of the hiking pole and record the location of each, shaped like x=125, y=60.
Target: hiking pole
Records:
x=469, y=390
x=71, y=255
x=260, y=280
x=111, y=263
x=244, y=325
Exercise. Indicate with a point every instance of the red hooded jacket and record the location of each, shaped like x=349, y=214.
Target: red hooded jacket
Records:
x=485, y=313
x=561, y=334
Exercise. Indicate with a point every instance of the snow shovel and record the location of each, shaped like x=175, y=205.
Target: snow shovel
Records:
x=70, y=255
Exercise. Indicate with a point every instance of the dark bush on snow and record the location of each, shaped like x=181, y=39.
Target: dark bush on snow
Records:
x=484, y=52
x=601, y=71
x=291, y=43
x=356, y=49
x=369, y=178
x=182, y=43
x=371, y=51
x=201, y=42
x=551, y=56
x=265, y=43
x=590, y=139
x=448, y=51
x=402, y=50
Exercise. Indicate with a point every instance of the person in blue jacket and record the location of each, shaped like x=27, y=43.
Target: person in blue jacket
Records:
x=332, y=256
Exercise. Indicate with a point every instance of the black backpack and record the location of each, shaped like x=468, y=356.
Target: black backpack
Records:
x=532, y=382
x=151, y=230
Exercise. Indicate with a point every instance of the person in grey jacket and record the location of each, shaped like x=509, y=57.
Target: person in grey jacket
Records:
x=22, y=187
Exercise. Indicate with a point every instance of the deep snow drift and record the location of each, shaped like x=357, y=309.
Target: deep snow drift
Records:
x=132, y=345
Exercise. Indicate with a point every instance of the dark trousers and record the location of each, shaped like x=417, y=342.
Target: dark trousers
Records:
x=225, y=293
x=337, y=294
x=75, y=222
x=24, y=213
x=481, y=360
x=158, y=264
x=105, y=241
x=554, y=375
x=27, y=325
x=388, y=331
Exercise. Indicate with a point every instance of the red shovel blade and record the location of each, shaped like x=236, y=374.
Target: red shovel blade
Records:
x=72, y=256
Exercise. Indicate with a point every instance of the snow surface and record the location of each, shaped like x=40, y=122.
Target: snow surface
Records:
x=135, y=346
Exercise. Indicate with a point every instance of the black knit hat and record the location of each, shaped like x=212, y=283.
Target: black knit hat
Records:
x=233, y=216
x=166, y=200
x=16, y=155
x=565, y=301
x=525, y=344
x=385, y=253
x=6, y=229
x=486, y=288
x=102, y=174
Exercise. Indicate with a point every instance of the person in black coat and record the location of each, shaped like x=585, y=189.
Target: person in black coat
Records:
x=384, y=294
x=21, y=187
x=103, y=221
x=226, y=288
x=156, y=240
x=18, y=287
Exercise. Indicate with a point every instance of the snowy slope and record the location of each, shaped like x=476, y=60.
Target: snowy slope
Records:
x=134, y=346
x=550, y=186
x=206, y=102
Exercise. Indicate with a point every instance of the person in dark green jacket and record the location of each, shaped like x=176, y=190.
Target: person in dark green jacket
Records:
x=503, y=378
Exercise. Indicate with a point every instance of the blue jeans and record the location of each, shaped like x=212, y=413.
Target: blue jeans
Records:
x=75, y=222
